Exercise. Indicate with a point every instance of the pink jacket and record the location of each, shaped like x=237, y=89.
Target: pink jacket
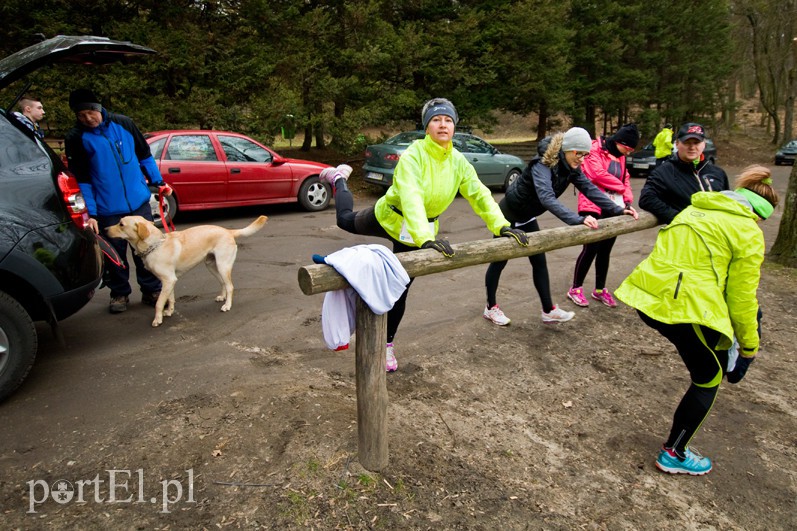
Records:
x=608, y=173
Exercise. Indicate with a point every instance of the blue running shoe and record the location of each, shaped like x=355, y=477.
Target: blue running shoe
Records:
x=694, y=464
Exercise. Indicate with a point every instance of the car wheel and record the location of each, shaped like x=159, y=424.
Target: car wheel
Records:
x=169, y=208
x=510, y=178
x=314, y=195
x=18, y=344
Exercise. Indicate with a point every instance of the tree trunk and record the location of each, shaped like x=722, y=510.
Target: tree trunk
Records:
x=542, y=121
x=320, y=143
x=589, y=120
x=784, y=250
x=791, y=89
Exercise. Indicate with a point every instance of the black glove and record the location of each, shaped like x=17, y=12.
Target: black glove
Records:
x=738, y=372
x=521, y=237
x=441, y=246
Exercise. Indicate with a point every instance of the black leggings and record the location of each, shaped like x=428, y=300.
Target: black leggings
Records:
x=539, y=268
x=706, y=368
x=364, y=223
x=600, y=252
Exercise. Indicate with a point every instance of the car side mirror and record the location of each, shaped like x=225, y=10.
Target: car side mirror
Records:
x=278, y=160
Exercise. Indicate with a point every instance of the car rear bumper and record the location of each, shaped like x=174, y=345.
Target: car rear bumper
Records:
x=378, y=176
x=69, y=302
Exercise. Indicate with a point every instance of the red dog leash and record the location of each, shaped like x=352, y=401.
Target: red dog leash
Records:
x=166, y=219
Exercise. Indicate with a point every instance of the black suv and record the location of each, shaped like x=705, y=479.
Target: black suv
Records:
x=50, y=262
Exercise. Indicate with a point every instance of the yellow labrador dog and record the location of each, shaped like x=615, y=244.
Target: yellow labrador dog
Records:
x=171, y=254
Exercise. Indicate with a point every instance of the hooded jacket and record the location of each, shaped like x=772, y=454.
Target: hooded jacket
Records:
x=425, y=182
x=608, y=173
x=663, y=143
x=669, y=188
x=543, y=180
x=704, y=270
x=109, y=162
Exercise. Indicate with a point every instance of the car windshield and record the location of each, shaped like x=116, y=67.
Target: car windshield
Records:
x=790, y=145
x=405, y=139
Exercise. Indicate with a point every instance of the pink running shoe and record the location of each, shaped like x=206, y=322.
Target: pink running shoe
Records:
x=605, y=297
x=330, y=175
x=391, y=364
x=577, y=296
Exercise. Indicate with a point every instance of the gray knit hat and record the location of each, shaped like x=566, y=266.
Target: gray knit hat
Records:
x=576, y=139
x=438, y=107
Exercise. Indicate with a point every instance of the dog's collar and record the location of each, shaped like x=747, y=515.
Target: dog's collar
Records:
x=151, y=248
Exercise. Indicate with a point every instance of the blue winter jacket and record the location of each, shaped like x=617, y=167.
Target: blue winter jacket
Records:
x=110, y=162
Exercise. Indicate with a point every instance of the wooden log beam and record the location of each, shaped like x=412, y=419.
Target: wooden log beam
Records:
x=320, y=278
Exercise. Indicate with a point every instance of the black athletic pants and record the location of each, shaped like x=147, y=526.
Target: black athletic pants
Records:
x=599, y=252
x=706, y=367
x=539, y=267
x=364, y=223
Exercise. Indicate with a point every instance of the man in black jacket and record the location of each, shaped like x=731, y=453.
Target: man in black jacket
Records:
x=669, y=188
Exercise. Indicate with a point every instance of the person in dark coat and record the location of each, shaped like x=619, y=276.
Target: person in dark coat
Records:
x=670, y=186
x=533, y=193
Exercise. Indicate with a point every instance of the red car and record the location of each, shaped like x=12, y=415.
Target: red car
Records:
x=218, y=169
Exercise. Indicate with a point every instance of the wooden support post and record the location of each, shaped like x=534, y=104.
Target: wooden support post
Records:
x=371, y=383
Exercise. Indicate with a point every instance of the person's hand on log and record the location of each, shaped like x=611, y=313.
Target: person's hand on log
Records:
x=631, y=211
x=590, y=222
x=521, y=237
x=441, y=246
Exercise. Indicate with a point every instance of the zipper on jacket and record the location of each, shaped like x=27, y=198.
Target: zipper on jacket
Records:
x=119, y=163
x=678, y=285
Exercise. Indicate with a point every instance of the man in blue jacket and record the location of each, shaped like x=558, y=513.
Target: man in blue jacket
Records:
x=112, y=162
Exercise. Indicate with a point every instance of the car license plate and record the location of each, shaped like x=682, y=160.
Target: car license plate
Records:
x=642, y=166
x=375, y=176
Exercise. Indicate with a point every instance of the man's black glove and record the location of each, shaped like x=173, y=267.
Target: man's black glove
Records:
x=521, y=237
x=738, y=372
x=441, y=246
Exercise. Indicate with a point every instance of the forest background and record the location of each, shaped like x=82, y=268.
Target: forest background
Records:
x=336, y=67
x=328, y=70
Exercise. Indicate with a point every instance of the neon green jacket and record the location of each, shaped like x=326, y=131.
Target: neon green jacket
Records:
x=704, y=269
x=663, y=143
x=425, y=183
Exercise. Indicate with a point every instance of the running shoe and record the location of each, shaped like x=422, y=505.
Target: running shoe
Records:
x=557, y=315
x=693, y=464
x=330, y=175
x=495, y=315
x=577, y=296
x=605, y=297
x=391, y=364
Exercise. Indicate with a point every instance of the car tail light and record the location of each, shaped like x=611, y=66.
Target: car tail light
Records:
x=367, y=154
x=393, y=157
x=73, y=198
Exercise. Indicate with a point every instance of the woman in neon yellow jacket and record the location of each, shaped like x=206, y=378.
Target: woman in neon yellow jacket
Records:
x=425, y=182
x=698, y=289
